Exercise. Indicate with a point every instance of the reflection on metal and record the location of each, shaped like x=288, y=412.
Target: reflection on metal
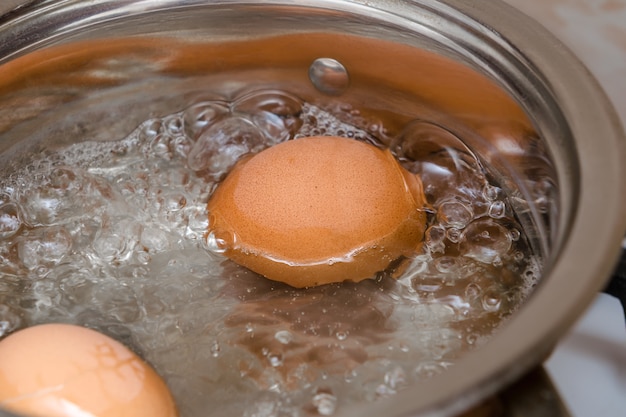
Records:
x=329, y=76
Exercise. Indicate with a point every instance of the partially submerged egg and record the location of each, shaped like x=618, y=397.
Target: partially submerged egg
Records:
x=61, y=370
x=318, y=210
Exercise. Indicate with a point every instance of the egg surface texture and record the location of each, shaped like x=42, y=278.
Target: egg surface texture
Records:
x=318, y=210
x=61, y=370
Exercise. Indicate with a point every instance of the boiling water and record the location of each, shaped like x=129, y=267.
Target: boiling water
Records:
x=113, y=236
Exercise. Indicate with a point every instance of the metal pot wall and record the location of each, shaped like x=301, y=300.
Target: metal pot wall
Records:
x=523, y=103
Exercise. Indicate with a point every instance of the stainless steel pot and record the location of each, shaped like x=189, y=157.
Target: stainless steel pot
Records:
x=525, y=104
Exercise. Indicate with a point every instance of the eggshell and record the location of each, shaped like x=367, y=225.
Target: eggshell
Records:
x=317, y=210
x=61, y=370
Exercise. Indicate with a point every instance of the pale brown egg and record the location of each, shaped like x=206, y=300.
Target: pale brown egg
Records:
x=318, y=210
x=61, y=370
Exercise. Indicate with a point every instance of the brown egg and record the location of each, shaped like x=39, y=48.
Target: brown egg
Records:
x=317, y=210
x=61, y=370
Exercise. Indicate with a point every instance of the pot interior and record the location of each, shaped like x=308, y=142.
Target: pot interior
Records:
x=110, y=100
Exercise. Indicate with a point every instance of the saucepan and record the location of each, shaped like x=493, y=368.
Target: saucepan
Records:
x=476, y=81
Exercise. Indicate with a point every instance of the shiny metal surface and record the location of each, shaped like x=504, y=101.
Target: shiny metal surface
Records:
x=519, y=98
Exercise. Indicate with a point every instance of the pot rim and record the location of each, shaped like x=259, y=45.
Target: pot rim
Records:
x=578, y=269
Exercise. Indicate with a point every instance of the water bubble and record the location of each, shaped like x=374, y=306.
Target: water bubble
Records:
x=341, y=335
x=181, y=146
x=514, y=234
x=174, y=125
x=324, y=403
x=199, y=117
x=428, y=370
x=491, y=300
x=214, y=244
x=497, y=209
x=275, y=359
x=220, y=146
x=48, y=203
x=143, y=257
x=117, y=239
x=160, y=146
x=10, y=222
x=279, y=103
x=454, y=235
x=435, y=236
x=41, y=271
x=44, y=247
x=43, y=207
x=485, y=240
x=215, y=349
x=284, y=336
x=385, y=391
x=395, y=378
x=149, y=129
x=329, y=76
x=472, y=291
x=427, y=285
x=455, y=214
x=63, y=178
x=154, y=239
x=272, y=126
x=491, y=192
x=422, y=140
x=197, y=222
x=173, y=202
x=446, y=264
x=84, y=230
x=110, y=247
